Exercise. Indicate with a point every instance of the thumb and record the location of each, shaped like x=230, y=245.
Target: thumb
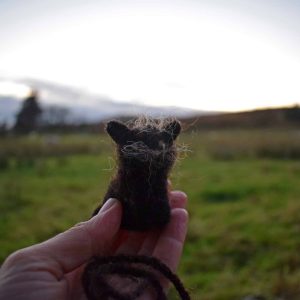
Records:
x=77, y=245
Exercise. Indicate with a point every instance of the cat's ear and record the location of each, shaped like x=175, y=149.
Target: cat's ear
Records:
x=119, y=132
x=173, y=129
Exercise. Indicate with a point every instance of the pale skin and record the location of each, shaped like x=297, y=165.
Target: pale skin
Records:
x=52, y=270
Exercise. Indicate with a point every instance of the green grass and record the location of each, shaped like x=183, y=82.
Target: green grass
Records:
x=244, y=231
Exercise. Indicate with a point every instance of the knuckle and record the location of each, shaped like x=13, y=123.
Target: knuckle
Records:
x=80, y=224
x=18, y=257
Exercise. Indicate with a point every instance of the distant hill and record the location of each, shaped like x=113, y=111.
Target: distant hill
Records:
x=87, y=108
x=262, y=118
x=84, y=107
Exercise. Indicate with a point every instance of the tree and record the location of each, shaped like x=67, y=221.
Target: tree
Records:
x=28, y=116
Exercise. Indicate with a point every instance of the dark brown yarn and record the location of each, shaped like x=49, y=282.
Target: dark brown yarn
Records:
x=96, y=287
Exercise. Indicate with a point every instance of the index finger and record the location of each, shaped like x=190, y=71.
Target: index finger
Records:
x=177, y=199
x=169, y=245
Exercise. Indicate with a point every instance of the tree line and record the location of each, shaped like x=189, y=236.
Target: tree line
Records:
x=33, y=117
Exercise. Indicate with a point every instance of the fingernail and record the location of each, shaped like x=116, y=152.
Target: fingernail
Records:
x=108, y=204
x=180, y=193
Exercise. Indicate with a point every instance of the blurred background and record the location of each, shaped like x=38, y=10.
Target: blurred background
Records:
x=229, y=70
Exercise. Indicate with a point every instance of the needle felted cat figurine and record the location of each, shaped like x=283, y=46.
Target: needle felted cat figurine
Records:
x=146, y=152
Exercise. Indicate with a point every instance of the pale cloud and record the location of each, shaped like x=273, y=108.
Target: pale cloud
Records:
x=137, y=53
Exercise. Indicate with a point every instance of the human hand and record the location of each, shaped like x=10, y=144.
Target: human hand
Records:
x=53, y=269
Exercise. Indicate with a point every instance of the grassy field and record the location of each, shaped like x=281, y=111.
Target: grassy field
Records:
x=244, y=204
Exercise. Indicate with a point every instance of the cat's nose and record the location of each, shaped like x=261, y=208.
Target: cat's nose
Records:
x=162, y=145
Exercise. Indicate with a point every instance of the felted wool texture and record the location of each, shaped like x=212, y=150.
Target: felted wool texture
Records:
x=146, y=152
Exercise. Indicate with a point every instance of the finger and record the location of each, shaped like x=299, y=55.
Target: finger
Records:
x=120, y=239
x=74, y=283
x=132, y=244
x=149, y=243
x=144, y=243
x=177, y=199
x=170, y=243
x=77, y=245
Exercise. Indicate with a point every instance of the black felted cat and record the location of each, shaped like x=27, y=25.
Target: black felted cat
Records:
x=146, y=152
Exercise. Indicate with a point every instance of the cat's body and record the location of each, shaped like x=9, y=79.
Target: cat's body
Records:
x=146, y=153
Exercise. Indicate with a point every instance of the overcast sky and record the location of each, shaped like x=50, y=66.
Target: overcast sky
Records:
x=212, y=55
